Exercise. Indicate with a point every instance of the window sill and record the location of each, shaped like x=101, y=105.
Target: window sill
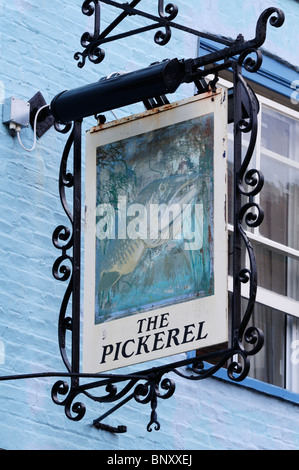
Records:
x=261, y=387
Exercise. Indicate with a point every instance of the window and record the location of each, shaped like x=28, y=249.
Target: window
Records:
x=276, y=245
x=276, y=241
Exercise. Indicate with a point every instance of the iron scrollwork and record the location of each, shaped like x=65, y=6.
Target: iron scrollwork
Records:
x=171, y=11
x=91, y=41
x=67, y=266
x=63, y=240
x=148, y=386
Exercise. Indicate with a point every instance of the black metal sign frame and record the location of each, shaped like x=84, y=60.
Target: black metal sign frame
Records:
x=150, y=385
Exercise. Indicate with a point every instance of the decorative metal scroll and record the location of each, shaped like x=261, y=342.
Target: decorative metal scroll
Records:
x=92, y=42
x=148, y=386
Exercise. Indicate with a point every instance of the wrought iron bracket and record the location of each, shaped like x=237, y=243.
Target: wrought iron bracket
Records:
x=148, y=386
x=151, y=385
x=92, y=42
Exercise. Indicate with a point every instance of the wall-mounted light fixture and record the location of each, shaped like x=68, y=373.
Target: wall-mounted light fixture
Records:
x=118, y=91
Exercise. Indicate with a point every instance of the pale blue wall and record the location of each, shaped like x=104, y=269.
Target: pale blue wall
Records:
x=37, y=41
x=232, y=17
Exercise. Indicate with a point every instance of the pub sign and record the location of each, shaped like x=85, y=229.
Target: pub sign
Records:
x=155, y=268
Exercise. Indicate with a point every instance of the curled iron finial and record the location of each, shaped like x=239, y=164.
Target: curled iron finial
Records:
x=254, y=336
x=150, y=392
x=89, y=8
x=250, y=64
x=89, y=41
x=171, y=11
x=276, y=17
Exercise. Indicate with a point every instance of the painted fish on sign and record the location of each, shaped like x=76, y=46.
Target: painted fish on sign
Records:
x=154, y=219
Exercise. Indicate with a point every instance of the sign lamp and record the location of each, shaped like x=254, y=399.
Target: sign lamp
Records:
x=118, y=91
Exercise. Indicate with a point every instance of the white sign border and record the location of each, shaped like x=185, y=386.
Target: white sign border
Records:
x=208, y=315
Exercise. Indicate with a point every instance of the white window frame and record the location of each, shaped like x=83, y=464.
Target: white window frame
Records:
x=264, y=296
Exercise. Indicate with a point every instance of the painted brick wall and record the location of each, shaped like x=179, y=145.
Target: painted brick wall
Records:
x=37, y=43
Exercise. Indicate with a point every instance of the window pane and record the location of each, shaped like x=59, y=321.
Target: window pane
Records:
x=279, y=133
x=280, y=201
x=269, y=364
x=272, y=269
x=277, y=272
x=293, y=279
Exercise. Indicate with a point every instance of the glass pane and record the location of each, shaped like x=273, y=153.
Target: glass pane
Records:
x=269, y=364
x=277, y=272
x=272, y=269
x=280, y=201
x=293, y=279
x=279, y=133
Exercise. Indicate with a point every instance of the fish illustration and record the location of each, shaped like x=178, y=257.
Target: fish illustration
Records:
x=123, y=255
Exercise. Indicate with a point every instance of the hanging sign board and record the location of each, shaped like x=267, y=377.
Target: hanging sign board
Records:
x=155, y=272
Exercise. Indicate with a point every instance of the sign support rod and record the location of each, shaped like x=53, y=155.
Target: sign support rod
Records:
x=76, y=304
